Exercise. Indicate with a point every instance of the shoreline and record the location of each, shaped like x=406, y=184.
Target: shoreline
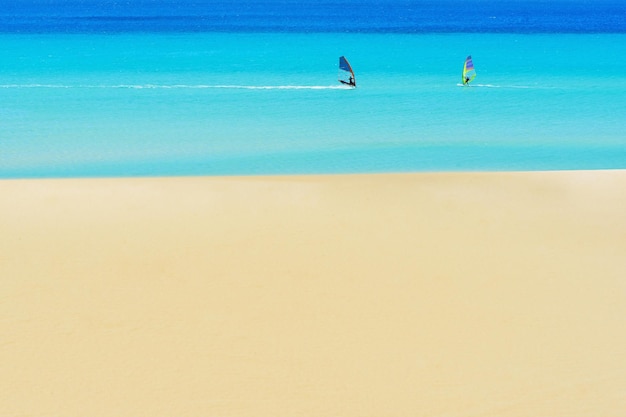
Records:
x=499, y=294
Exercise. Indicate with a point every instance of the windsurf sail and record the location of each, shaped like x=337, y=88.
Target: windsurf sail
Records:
x=469, y=73
x=346, y=75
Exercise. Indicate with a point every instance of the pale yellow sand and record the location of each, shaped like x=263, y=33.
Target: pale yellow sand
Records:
x=392, y=295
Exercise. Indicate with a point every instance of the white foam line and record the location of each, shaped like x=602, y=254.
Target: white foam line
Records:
x=522, y=87
x=35, y=86
x=225, y=86
x=503, y=86
x=279, y=87
x=183, y=86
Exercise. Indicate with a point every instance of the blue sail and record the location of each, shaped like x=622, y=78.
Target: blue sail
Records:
x=346, y=74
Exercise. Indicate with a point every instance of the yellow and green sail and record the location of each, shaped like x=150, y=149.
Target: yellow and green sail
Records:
x=469, y=73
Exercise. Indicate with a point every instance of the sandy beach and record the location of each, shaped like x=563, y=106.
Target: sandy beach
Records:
x=453, y=294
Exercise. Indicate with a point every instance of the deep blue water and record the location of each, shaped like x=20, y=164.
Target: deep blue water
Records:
x=354, y=16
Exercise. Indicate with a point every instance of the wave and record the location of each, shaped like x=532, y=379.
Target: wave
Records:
x=232, y=86
x=182, y=86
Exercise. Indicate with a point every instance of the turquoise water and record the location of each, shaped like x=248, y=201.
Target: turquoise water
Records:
x=151, y=104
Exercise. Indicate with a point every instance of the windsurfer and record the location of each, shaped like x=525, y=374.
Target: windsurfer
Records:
x=345, y=70
x=468, y=71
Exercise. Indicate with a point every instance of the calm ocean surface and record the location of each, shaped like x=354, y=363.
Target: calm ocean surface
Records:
x=151, y=88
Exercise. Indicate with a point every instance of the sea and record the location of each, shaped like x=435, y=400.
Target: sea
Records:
x=125, y=88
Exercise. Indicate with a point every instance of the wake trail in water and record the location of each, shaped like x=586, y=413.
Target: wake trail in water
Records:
x=519, y=87
x=179, y=86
